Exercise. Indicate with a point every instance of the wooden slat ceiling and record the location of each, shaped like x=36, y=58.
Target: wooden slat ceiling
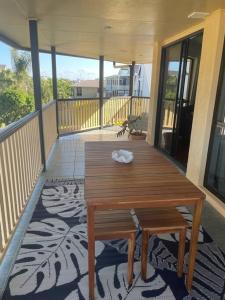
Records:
x=121, y=30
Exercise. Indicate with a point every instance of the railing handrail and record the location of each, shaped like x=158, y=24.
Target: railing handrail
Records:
x=13, y=127
x=105, y=98
x=141, y=97
x=77, y=99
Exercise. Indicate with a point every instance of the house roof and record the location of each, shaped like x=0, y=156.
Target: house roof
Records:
x=122, y=31
x=87, y=83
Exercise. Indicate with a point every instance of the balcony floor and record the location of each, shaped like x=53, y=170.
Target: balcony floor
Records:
x=67, y=161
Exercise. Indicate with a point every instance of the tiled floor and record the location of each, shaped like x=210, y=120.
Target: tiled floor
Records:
x=67, y=161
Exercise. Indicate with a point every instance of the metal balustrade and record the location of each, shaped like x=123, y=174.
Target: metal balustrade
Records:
x=20, y=166
x=20, y=150
x=77, y=115
x=83, y=114
x=115, y=109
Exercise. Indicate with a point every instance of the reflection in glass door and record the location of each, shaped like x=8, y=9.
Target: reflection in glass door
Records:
x=170, y=86
x=215, y=170
x=178, y=83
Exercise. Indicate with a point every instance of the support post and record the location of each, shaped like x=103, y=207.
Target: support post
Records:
x=101, y=89
x=131, y=85
x=37, y=83
x=54, y=85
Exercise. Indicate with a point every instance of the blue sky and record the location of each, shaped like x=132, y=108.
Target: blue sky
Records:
x=67, y=67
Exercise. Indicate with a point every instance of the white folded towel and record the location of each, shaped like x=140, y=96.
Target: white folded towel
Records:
x=122, y=156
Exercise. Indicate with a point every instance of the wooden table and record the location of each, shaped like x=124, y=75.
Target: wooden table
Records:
x=149, y=181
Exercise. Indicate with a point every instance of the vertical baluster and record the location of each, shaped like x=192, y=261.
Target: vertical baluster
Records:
x=33, y=166
x=13, y=171
x=10, y=183
x=37, y=148
x=25, y=158
x=96, y=114
x=89, y=111
x=62, y=103
x=82, y=115
x=28, y=135
x=5, y=188
x=60, y=116
x=5, y=226
x=17, y=172
x=75, y=115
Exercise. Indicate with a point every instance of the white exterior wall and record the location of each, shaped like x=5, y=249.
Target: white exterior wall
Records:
x=142, y=76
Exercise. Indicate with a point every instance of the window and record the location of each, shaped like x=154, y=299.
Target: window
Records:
x=79, y=91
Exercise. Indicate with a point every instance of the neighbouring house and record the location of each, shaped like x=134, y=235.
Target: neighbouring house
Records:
x=86, y=89
x=118, y=85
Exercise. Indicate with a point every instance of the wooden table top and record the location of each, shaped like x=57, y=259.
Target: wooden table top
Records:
x=150, y=180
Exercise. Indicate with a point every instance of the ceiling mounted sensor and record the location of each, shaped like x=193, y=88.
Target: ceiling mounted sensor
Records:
x=120, y=65
x=198, y=15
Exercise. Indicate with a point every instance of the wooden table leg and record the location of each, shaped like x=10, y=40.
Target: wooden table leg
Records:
x=194, y=242
x=91, y=252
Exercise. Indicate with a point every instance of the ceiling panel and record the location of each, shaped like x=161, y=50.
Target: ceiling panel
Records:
x=120, y=30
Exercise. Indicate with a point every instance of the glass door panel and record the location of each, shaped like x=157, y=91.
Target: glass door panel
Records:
x=186, y=98
x=170, y=86
x=215, y=174
x=178, y=84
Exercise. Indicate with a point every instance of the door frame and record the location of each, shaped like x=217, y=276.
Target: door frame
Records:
x=213, y=127
x=160, y=92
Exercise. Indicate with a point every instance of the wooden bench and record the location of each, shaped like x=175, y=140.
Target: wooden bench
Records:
x=161, y=220
x=117, y=224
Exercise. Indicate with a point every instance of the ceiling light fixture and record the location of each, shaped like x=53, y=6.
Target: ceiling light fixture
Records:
x=198, y=15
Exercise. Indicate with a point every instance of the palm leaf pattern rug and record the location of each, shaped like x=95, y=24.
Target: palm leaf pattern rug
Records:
x=52, y=261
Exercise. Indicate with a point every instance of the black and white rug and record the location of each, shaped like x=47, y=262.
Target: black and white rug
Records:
x=52, y=261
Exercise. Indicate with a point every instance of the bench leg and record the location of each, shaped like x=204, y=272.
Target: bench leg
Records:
x=131, y=249
x=180, y=262
x=144, y=254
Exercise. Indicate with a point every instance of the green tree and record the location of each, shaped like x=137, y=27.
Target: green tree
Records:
x=46, y=90
x=14, y=104
x=21, y=62
x=7, y=79
x=64, y=88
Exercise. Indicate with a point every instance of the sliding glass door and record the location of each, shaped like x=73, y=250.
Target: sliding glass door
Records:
x=215, y=170
x=178, y=83
x=169, y=92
